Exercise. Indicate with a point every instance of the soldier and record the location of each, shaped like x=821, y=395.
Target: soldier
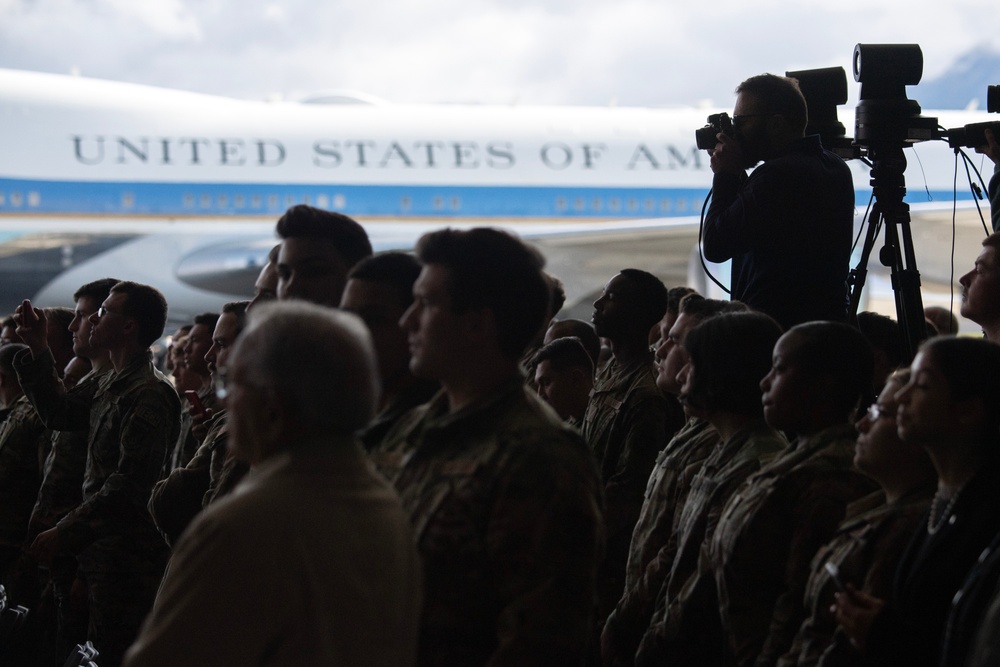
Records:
x=674, y=297
x=506, y=501
x=63, y=472
x=266, y=286
x=564, y=375
x=772, y=527
x=883, y=335
x=728, y=355
x=981, y=289
x=870, y=542
x=133, y=420
x=212, y=472
x=199, y=340
x=318, y=248
x=379, y=290
x=75, y=370
x=628, y=418
x=7, y=333
x=60, y=338
x=583, y=331
x=651, y=550
x=24, y=444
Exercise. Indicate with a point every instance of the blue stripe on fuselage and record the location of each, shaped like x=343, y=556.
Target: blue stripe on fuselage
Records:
x=417, y=201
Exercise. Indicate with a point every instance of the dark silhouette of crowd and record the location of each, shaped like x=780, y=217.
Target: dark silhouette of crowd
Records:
x=411, y=459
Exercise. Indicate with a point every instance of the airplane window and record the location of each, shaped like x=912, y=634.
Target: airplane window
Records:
x=2, y=199
x=615, y=204
x=255, y=201
x=128, y=200
x=404, y=203
x=239, y=201
x=649, y=204
x=339, y=201
x=561, y=204
x=322, y=201
x=597, y=204
x=306, y=199
x=34, y=199
x=289, y=201
x=205, y=200
x=631, y=204
x=188, y=200
x=681, y=205
x=272, y=201
x=223, y=200
x=456, y=203
x=438, y=203
x=16, y=199
x=579, y=204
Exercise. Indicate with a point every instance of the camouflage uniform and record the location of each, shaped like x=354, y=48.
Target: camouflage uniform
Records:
x=626, y=423
x=187, y=444
x=24, y=444
x=506, y=508
x=768, y=534
x=654, y=534
x=133, y=420
x=418, y=392
x=866, y=549
x=180, y=497
x=676, y=634
x=225, y=470
x=60, y=492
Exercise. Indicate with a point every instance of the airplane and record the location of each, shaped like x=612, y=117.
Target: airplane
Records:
x=181, y=190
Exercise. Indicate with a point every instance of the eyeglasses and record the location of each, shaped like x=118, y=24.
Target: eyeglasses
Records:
x=740, y=119
x=876, y=412
x=224, y=384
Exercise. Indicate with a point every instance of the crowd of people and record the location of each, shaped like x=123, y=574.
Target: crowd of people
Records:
x=410, y=459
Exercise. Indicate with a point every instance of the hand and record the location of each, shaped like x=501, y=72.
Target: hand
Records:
x=855, y=612
x=199, y=423
x=991, y=148
x=32, y=327
x=727, y=156
x=46, y=546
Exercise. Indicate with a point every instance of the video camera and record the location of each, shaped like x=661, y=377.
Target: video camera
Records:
x=707, y=137
x=974, y=134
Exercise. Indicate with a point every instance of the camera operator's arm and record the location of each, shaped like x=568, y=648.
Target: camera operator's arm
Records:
x=725, y=224
x=992, y=150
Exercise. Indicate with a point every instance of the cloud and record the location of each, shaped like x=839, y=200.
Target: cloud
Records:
x=634, y=52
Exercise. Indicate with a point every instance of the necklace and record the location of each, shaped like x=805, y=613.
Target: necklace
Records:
x=935, y=520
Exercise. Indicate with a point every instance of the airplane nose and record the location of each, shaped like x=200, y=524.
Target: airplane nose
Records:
x=228, y=268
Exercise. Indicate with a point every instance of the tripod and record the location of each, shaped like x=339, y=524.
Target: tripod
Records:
x=892, y=214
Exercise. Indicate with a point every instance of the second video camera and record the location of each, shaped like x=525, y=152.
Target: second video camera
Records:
x=974, y=134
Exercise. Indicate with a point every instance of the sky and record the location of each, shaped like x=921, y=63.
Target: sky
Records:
x=574, y=52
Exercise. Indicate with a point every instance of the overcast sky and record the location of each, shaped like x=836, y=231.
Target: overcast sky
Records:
x=629, y=52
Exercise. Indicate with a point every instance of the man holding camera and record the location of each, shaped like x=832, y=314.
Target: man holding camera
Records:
x=788, y=225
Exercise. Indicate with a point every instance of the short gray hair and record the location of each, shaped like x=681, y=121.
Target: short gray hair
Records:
x=320, y=360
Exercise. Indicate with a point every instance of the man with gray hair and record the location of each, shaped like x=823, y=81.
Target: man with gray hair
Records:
x=312, y=560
